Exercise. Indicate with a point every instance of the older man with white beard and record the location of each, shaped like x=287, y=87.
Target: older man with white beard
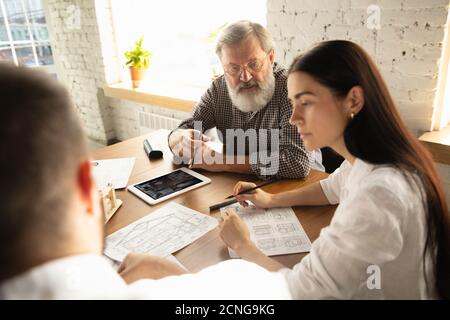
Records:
x=248, y=104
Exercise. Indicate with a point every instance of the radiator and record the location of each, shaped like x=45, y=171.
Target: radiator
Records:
x=149, y=122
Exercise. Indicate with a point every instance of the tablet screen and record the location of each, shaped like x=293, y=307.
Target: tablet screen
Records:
x=167, y=184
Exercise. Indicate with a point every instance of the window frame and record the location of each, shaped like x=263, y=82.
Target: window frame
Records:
x=441, y=108
x=163, y=72
x=33, y=43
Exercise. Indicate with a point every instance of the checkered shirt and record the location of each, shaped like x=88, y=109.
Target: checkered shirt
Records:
x=216, y=109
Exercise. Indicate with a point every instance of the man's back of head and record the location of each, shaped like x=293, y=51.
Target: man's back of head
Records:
x=41, y=146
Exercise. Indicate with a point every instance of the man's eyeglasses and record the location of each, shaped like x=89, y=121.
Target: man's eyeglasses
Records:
x=253, y=66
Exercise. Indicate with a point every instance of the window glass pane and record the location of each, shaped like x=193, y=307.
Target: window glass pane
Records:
x=6, y=53
x=16, y=19
x=44, y=54
x=25, y=55
x=36, y=18
x=184, y=55
x=3, y=33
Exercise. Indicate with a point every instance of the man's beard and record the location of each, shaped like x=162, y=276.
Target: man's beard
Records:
x=255, y=101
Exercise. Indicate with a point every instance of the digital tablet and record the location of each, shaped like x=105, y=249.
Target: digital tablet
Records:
x=168, y=185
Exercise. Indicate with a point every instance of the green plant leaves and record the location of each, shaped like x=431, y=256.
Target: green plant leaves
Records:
x=138, y=57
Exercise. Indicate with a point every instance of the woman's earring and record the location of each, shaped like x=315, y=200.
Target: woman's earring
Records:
x=352, y=115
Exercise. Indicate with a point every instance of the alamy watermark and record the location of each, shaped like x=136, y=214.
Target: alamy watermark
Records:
x=374, y=280
x=373, y=21
x=252, y=142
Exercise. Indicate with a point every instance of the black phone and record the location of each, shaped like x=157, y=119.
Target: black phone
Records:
x=151, y=151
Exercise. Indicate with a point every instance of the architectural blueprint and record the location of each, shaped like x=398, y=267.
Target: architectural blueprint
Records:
x=160, y=233
x=275, y=231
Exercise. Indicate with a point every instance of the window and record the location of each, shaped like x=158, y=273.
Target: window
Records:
x=180, y=34
x=441, y=114
x=24, y=37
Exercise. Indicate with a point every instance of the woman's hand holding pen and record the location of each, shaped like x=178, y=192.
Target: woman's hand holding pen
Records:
x=260, y=199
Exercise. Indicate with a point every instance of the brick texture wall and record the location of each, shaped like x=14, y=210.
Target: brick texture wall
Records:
x=126, y=116
x=404, y=38
x=77, y=48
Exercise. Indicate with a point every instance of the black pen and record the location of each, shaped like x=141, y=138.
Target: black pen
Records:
x=233, y=198
x=254, y=188
x=222, y=204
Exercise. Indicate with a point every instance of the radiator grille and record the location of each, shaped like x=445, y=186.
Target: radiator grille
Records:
x=149, y=122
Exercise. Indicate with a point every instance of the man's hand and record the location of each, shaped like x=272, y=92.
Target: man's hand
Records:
x=138, y=266
x=183, y=142
x=208, y=159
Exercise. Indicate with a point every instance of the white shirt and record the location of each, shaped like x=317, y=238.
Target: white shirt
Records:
x=92, y=277
x=380, y=221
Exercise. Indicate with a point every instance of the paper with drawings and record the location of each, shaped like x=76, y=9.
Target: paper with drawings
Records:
x=160, y=233
x=275, y=231
x=115, y=171
x=115, y=264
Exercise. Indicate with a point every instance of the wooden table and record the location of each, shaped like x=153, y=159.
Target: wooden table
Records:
x=209, y=249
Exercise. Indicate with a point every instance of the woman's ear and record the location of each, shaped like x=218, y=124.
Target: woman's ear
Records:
x=355, y=100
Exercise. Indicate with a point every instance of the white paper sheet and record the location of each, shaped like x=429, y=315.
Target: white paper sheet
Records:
x=217, y=146
x=115, y=264
x=115, y=171
x=275, y=231
x=160, y=233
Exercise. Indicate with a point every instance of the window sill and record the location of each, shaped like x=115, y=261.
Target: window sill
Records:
x=178, y=97
x=438, y=143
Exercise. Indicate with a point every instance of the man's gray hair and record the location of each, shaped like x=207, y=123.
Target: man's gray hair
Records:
x=236, y=32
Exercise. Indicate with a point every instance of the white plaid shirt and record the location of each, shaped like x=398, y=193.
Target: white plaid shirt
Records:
x=216, y=109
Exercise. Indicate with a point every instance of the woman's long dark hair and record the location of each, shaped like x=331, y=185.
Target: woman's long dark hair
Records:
x=378, y=135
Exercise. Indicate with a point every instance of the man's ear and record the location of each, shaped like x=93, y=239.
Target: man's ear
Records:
x=355, y=100
x=86, y=185
x=272, y=56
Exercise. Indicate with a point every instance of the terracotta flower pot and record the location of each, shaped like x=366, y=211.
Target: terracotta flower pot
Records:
x=137, y=75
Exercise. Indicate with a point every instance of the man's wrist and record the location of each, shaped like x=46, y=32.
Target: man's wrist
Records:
x=237, y=166
x=174, y=135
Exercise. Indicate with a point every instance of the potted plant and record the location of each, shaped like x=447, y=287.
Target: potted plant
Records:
x=138, y=61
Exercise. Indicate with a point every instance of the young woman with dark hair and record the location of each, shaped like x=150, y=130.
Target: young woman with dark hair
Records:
x=391, y=213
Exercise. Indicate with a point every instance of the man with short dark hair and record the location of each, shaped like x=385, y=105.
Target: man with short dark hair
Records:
x=51, y=224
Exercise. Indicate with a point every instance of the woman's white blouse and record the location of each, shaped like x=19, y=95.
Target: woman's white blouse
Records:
x=373, y=247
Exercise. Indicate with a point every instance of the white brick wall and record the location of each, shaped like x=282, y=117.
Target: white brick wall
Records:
x=75, y=39
x=126, y=116
x=407, y=47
